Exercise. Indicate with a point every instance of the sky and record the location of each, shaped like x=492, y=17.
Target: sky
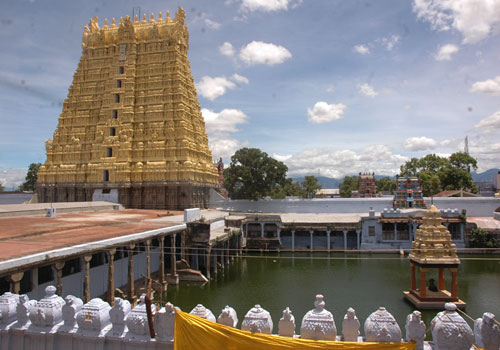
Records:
x=329, y=87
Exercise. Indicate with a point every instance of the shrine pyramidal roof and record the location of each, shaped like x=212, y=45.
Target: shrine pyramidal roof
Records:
x=432, y=245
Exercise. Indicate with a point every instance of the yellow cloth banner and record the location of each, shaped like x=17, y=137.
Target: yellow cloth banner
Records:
x=196, y=333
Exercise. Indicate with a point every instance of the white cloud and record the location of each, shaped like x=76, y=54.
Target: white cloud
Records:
x=227, y=49
x=239, y=78
x=407, y=107
x=281, y=158
x=474, y=19
x=367, y=90
x=213, y=87
x=323, y=112
x=390, y=42
x=264, y=5
x=338, y=163
x=258, y=52
x=362, y=49
x=490, y=123
x=488, y=87
x=226, y=121
x=212, y=24
x=223, y=147
x=419, y=143
x=10, y=178
x=445, y=52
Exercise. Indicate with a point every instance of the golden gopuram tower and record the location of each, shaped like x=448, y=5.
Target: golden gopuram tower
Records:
x=131, y=127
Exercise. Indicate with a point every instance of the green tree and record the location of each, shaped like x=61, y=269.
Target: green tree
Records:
x=310, y=186
x=480, y=238
x=252, y=174
x=385, y=184
x=350, y=183
x=31, y=176
x=440, y=173
x=1, y=187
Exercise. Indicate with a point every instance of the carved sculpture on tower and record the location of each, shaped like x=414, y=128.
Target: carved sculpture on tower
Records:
x=131, y=128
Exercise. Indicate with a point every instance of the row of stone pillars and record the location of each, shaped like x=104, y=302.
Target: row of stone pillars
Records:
x=328, y=238
x=17, y=277
x=222, y=254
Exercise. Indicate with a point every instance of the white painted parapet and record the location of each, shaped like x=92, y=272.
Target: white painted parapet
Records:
x=415, y=329
x=318, y=323
x=193, y=214
x=450, y=331
x=257, y=320
x=56, y=324
x=286, y=326
x=486, y=332
x=201, y=311
x=228, y=317
x=381, y=327
x=350, y=326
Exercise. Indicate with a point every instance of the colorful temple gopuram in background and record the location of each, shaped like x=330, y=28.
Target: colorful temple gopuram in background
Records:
x=131, y=129
x=408, y=193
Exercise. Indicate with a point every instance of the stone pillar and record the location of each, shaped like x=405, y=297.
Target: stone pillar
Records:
x=462, y=231
x=111, y=277
x=395, y=231
x=293, y=240
x=183, y=245
x=207, y=261
x=311, y=239
x=278, y=232
x=148, y=258
x=173, y=258
x=423, y=286
x=262, y=230
x=345, y=239
x=162, y=261
x=328, y=232
x=86, y=279
x=413, y=285
x=454, y=283
x=59, y=266
x=16, y=282
x=358, y=237
x=441, y=284
x=227, y=252
x=131, y=279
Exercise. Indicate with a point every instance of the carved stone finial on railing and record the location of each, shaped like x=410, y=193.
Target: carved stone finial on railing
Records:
x=257, y=320
x=486, y=332
x=48, y=311
x=318, y=323
x=69, y=311
x=350, y=326
x=164, y=322
x=137, y=321
x=117, y=316
x=23, y=311
x=286, y=325
x=450, y=331
x=8, y=305
x=201, y=311
x=93, y=317
x=381, y=327
x=228, y=317
x=415, y=329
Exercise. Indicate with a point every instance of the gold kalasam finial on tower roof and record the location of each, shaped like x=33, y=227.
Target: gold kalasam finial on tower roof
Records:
x=136, y=18
x=160, y=19
x=167, y=17
x=144, y=20
x=152, y=18
x=105, y=26
x=113, y=23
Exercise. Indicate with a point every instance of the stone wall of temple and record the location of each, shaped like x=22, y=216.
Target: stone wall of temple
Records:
x=131, y=120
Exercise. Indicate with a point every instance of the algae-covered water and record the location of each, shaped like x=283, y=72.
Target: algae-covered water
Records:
x=361, y=281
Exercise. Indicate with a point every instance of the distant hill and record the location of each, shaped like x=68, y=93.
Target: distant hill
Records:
x=329, y=182
x=488, y=175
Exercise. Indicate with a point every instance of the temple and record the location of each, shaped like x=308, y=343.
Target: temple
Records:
x=433, y=249
x=367, y=187
x=408, y=193
x=131, y=129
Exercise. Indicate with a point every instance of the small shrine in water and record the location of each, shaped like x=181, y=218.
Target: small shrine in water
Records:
x=433, y=249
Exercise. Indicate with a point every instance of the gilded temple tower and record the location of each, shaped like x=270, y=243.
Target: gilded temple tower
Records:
x=131, y=127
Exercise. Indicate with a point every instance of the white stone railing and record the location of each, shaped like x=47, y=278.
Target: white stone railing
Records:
x=54, y=323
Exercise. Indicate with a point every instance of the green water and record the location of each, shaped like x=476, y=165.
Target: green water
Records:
x=361, y=281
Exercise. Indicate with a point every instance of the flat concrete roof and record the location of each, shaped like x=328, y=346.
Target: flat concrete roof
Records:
x=321, y=218
x=490, y=224
x=31, y=235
